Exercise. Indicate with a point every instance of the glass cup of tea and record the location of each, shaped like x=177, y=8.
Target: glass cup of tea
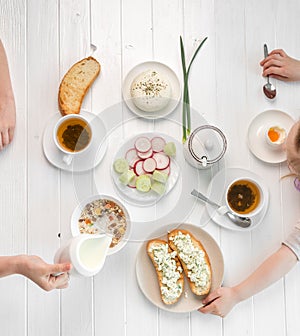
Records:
x=244, y=197
x=72, y=134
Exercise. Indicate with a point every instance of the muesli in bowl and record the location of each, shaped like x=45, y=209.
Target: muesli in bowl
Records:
x=99, y=214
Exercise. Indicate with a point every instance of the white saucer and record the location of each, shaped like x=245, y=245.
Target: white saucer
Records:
x=134, y=196
x=81, y=162
x=166, y=72
x=216, y=192
x=256, y=135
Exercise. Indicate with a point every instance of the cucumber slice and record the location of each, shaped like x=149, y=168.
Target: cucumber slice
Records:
x=170, y=149
x=132, y=182
x=126, y=177
x=160, y=176
x=143, y=183
x=159, y=188
x=121, y=166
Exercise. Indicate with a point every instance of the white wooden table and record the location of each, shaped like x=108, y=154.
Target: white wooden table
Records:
x=43, y=39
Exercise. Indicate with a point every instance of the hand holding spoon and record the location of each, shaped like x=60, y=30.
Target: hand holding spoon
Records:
x=269, y=89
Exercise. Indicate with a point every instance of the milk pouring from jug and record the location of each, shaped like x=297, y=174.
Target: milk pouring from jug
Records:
x=86, y=253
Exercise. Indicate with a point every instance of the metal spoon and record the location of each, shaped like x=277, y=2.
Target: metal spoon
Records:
x=93, y=48
x=269, y=89
x=243, y=222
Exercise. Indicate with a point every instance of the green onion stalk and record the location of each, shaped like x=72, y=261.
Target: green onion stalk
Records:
x=186, y=111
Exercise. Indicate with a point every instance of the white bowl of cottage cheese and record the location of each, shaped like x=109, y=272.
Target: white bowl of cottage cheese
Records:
x=151, y=90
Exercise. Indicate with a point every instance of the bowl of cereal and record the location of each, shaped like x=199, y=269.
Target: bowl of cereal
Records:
x=102, y=214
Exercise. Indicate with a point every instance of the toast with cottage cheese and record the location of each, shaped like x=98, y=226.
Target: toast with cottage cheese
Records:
x=194, y=260
x=168, y=270
x=76, y=83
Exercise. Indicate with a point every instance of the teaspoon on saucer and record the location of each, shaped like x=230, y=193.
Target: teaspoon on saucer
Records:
x=243, y=222
x=268, y=88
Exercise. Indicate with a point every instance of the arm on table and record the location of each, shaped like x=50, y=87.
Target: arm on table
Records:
x=7, y=102
x=281, y=66
x=35, y=269
x=222, y=300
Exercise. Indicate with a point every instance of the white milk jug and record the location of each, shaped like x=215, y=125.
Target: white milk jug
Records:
x=86, y=253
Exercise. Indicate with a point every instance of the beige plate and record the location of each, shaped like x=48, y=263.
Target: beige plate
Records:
x=147, y=279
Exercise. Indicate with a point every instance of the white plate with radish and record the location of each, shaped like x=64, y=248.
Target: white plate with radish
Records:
x=145, y=168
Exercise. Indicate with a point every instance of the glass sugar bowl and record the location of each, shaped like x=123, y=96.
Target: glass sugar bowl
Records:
x=205, y=146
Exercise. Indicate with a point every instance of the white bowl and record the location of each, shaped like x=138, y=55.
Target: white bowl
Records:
x=77, y=212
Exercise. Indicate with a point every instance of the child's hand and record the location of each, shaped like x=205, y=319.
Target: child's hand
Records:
x=35, y=269
x=281, y=66
x=7, y=119
x=220, y=302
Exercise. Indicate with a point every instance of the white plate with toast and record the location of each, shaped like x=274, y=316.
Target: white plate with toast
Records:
x=164, y=70
x=147, y=277
x=84, y=161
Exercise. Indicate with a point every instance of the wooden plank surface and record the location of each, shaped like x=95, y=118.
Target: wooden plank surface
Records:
x=43, y=39
x=77, y=309
x=43, y=188
x=13, y=172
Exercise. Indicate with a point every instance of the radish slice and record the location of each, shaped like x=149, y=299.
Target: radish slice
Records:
x=158, y=144
x=138, y=168
x=134, y=161
x=142, y=144
x=166, y=170
x=149, y=165
x=130, y=155
x=162, y=160
x=145, y=155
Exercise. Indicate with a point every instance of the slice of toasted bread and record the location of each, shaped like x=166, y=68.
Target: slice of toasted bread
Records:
x=168, y=269
x=75, y=85
x=194, y=260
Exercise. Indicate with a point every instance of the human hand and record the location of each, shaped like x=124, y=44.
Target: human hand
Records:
x=35, y=269
x=281, y=66
x=220, y=302
x=7, y=119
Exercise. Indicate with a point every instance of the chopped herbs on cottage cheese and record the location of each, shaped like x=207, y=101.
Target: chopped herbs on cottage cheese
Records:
x=166, y=264
x=151, y=91
x=198, y=270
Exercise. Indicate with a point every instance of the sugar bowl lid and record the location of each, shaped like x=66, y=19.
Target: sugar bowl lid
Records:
x=207, y=144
